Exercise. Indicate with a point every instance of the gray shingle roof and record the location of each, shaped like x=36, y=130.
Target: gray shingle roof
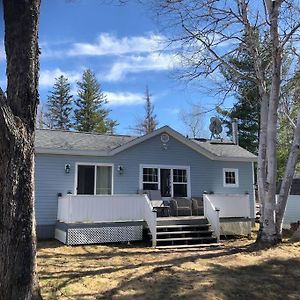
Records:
x=224, y=149
x=70, y=140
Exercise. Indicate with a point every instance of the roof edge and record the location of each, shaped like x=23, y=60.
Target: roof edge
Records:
x=42, y=150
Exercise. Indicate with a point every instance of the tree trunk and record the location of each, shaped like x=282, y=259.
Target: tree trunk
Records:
x=288, y=178
x=18, y=277
x=262, y=157
x=268, y=231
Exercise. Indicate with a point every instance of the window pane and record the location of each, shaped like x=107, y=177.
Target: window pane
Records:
x=150, y=186
x=103, y=180
x=180, y=190
x=150, y=174
x=85, y=180
x=165, y=182
x=230, y=177
x=179, y=175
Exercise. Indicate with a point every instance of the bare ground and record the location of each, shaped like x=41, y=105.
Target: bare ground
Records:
x=231, y=271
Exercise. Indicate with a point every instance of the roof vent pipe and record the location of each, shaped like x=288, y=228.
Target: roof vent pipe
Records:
x=235, y=137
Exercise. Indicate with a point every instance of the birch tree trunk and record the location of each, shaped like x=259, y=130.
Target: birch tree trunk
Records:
x=288, y=178
x=18, y=277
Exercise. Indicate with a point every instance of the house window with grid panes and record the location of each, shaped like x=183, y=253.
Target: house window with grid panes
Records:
x=150, y=179
x=180, y=182
x=230, y=177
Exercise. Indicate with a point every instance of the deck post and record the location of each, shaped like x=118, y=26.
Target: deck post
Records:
x=218, y=226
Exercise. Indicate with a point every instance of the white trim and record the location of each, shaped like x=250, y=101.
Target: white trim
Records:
x=236, y=184
x=171, y=167
x=95, y=176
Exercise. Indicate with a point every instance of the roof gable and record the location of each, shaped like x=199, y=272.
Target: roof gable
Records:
x=77, y=143
x=213, y=151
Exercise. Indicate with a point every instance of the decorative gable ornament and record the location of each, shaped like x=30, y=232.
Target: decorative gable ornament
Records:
x=165, y=139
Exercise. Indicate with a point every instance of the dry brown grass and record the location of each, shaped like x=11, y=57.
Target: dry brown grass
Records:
x=232, y=271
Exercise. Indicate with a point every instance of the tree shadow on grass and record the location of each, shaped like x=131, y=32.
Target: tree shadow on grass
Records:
x=162, y=274
x=272, y=279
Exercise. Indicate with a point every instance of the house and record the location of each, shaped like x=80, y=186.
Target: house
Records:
x=90, y=183
x=292, y=211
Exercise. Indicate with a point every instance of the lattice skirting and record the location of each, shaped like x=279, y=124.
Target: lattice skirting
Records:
x=79, y=236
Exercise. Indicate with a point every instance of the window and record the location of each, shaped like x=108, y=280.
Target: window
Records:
x=150, y=179
x=94, y=180
x=171, y=181
x=179, y=183
x=103, y=182
x=230, y=177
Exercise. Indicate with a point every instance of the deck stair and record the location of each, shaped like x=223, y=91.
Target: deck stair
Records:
x=183, y=231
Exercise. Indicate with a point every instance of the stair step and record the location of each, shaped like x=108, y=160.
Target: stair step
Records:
x=185, y=239
x=189, y=220
x=182, y=226
x=183, y=232
x=189, y=246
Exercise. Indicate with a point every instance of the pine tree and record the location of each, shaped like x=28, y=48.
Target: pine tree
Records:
x=60, y=105
x=246, y=111
x=150, y=122
x=246, y=108
x=287, y=118
x=90, y=115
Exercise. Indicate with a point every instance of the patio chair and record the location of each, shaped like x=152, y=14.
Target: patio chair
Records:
x=197, y=206
x=181, y=207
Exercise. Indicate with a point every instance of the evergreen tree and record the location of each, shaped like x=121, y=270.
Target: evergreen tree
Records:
x=149, y=123
x=287, y=118
x=59, y=105
x=246, y=109
x=90, y=115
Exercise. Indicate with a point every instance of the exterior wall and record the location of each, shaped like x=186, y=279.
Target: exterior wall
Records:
x=245, y=180
x=206, y=175
x=292, y=212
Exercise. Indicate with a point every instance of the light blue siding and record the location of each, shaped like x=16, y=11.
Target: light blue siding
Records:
x=206, y=175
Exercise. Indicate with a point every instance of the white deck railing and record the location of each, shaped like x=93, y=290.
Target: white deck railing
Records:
x=79, y=208
x=110, y=208
x=212, y=214
x=231, y=206
x=150, y=218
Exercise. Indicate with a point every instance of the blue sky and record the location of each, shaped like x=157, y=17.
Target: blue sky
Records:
x=123, y=45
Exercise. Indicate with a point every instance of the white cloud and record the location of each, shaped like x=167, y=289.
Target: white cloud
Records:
x=138, y=64
x=47, y=77
x=107, y=44
x=124, y=98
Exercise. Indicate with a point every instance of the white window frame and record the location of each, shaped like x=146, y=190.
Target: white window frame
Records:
x=171, y=167
x=95, y=165
x=152, y=182
x=230, y=185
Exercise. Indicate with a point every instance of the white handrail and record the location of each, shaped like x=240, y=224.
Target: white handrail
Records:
x=150, y=218
x=212, y=215
x=231, y=205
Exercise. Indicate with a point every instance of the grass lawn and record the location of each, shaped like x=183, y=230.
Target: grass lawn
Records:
x=231, y=271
